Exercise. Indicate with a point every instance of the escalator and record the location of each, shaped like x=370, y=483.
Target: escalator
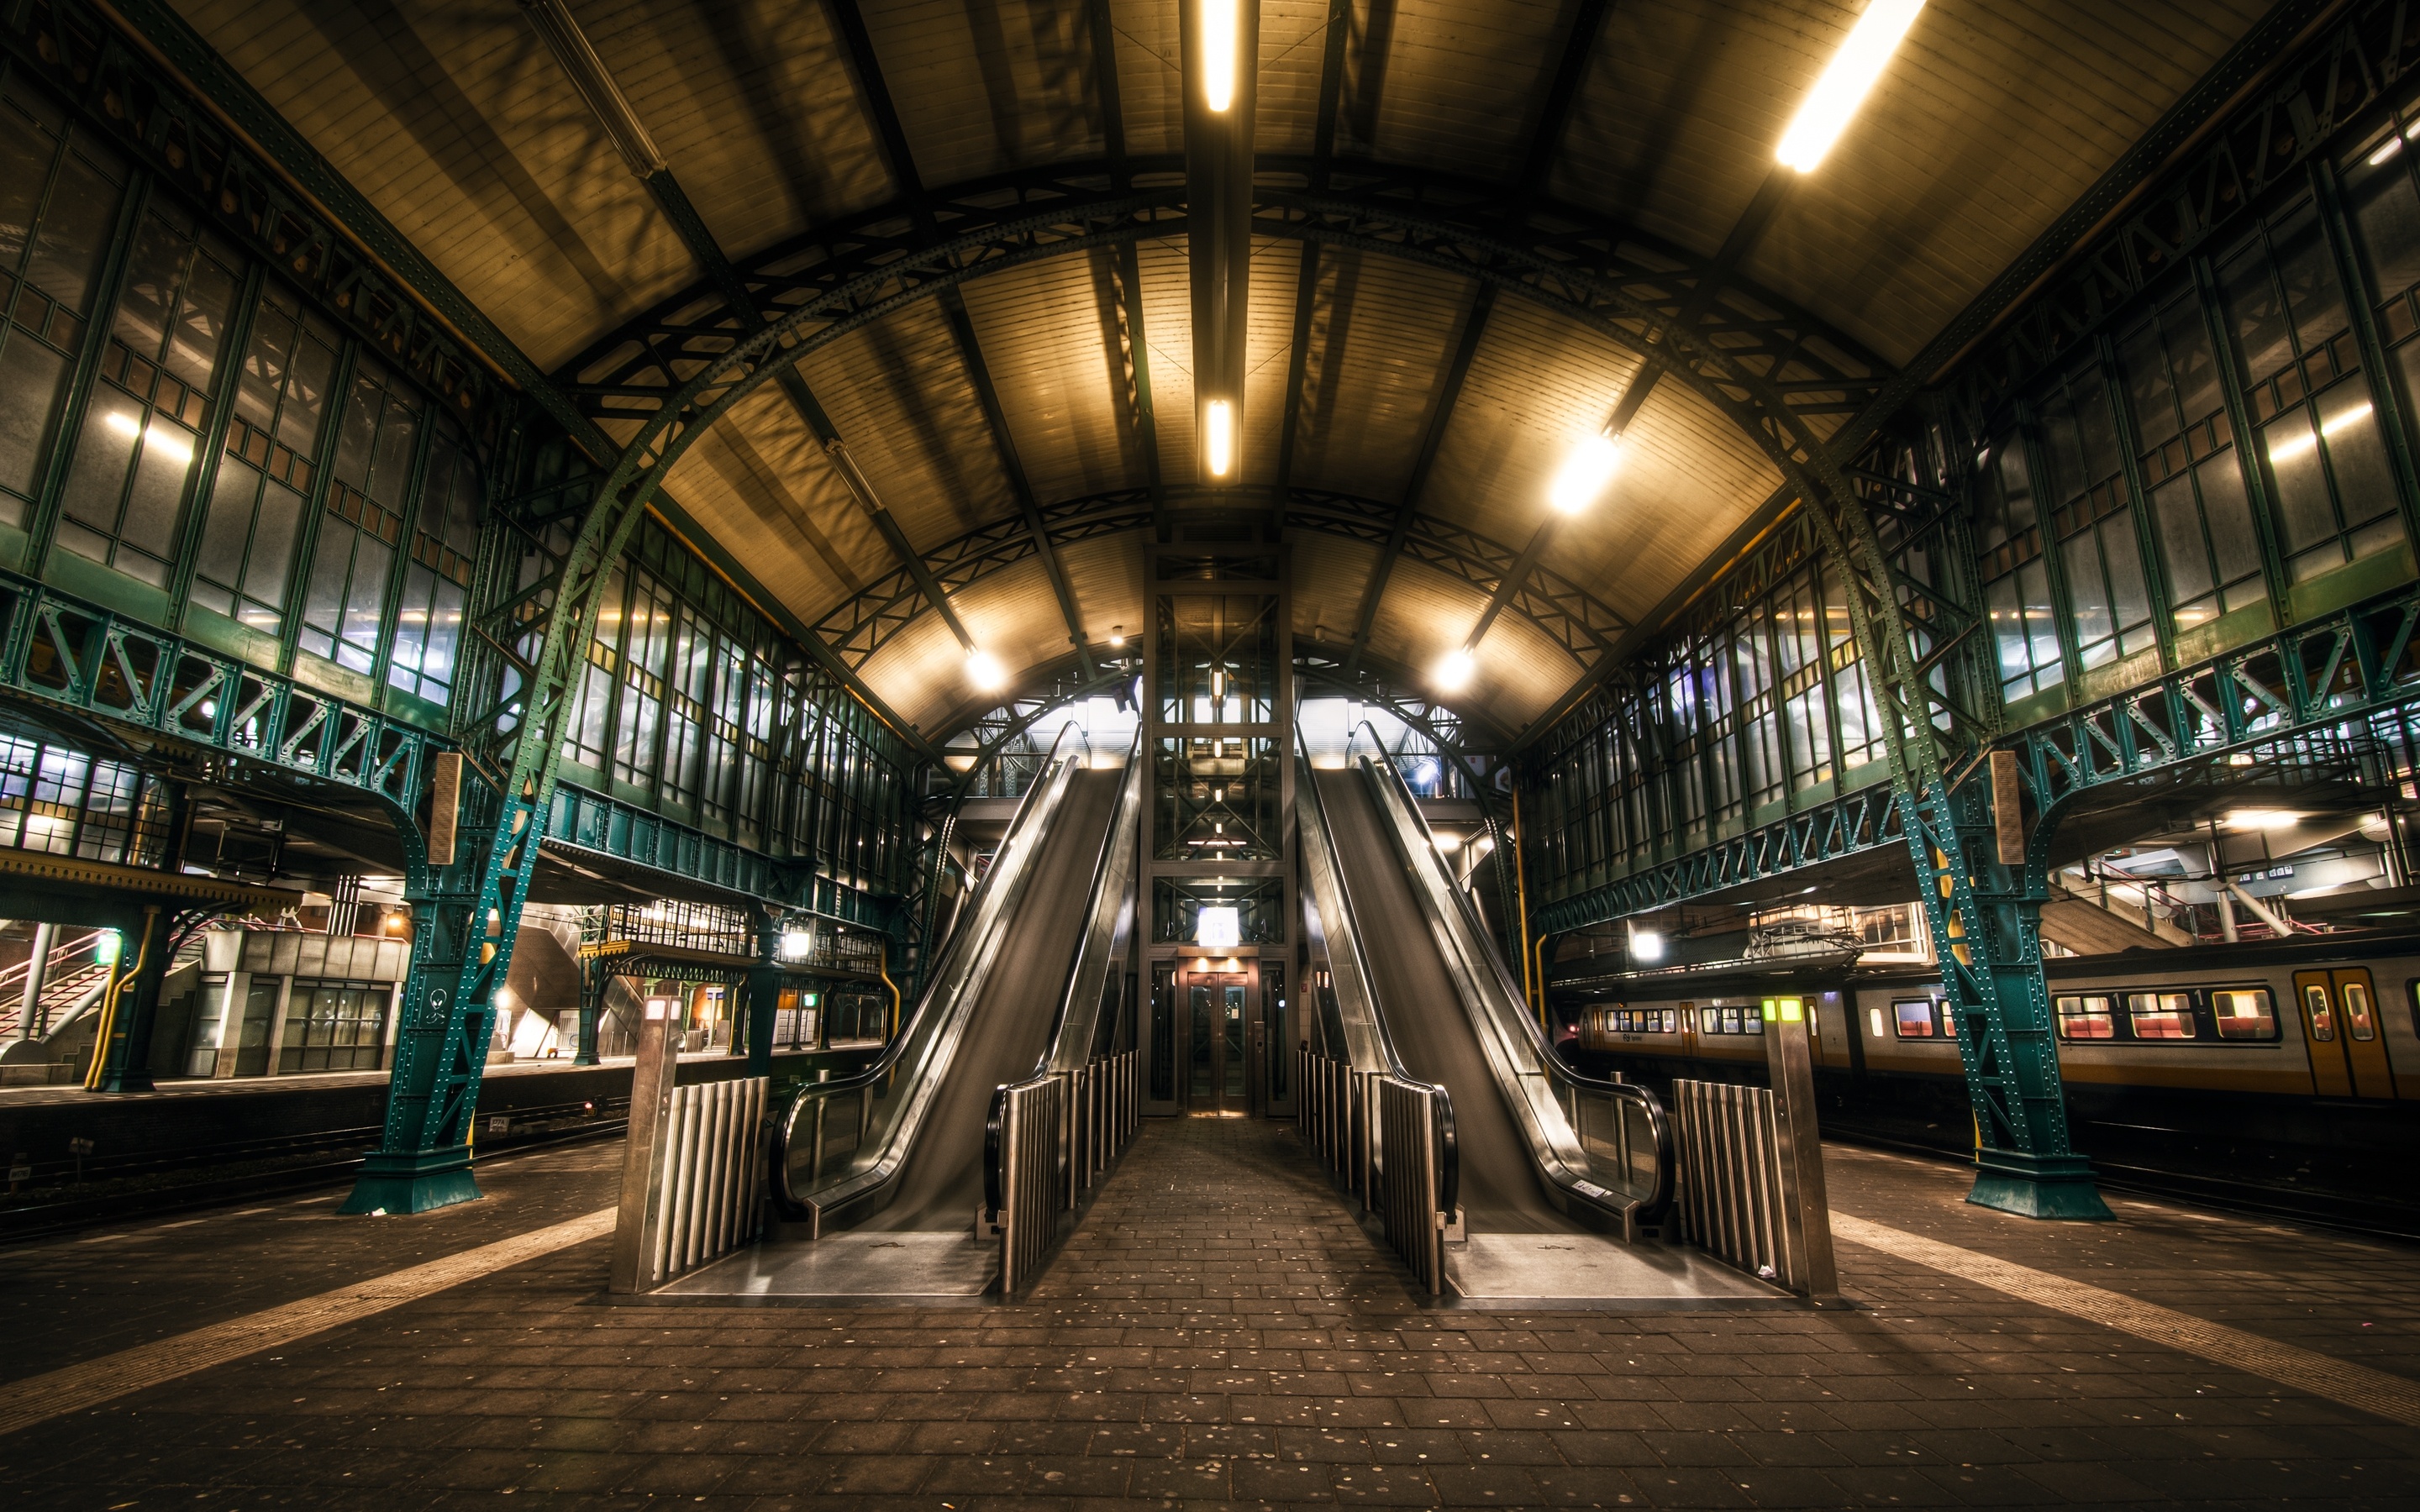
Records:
x=899, y=1147
x=1552, y=1183
x=1499, y=1189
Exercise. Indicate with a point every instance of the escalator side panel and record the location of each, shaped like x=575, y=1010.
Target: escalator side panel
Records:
x=1008, y=1030
x=1424, y=1015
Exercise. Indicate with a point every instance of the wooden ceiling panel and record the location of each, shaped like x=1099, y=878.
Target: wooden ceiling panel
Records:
x=988, y=86
x=1329, y=575
x=1011, y=614
x=1538, y=386
x=1383, y=331
x=1426, y=613
x=1688, y=478
x=1168, y=331
x=1293, y=50
x=1442, y=84
x=458, y=127
x=1106, y=574
x=1990, y=123
x=1268, y=354
x=898, y=393
x=1151, y=81
x=1049, y=333
x=752, y=106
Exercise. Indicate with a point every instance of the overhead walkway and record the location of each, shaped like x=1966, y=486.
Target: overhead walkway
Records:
x=888, y=1180
x=1550, y=1186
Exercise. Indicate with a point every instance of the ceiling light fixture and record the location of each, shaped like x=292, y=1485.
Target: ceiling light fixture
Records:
x=1220, y=448
x=1583, y=474
x=1219, y=22
x=1454, y=672
x=1836, y=95
x=2261, y=819
x=984, y=670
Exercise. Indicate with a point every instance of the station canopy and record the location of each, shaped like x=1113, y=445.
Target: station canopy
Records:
x=1416, y=392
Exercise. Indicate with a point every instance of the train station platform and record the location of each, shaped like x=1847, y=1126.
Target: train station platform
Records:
x=189, y=1143
x=1218, y=1332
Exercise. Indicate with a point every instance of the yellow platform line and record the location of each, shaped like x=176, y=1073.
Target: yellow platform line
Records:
x=79, y=1387
x=2376, y=1391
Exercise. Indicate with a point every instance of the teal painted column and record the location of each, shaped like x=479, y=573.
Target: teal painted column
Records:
x=123, y=1056
x=459, y=954
x=764, y=993
x=1986, y=921
x=593, y=981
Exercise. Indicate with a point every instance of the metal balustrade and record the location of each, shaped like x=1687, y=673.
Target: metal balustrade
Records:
x=1416, y=1174
x=68, y=653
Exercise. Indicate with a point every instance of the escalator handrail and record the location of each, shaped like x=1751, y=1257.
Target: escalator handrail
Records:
x=1386, y=1043
x=1449, y=1147
x=885, y=1064
x=1660, y=1199
x=1129, y=801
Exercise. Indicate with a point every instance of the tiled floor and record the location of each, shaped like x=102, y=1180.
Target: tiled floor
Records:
x=1219, y=1332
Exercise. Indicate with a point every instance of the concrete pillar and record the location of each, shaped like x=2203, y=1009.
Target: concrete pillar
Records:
x=239, y=992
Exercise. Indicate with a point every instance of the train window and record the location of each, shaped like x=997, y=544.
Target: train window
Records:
x=1913, y=1017
x=2321, y=1013
x=2160, y=1015
x=2359, y=1021
x=2244, y=1013
x=2083, y=1017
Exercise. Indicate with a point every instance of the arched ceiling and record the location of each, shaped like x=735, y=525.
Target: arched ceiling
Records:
x=1414, y=369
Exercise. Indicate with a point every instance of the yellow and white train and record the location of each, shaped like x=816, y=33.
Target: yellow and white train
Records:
x=2334, y=1018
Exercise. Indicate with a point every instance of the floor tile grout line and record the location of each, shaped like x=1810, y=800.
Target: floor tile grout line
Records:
x=76, y=1388
x=2376, y=1391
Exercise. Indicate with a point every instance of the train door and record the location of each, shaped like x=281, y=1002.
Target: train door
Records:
x=2340, y=1026
x=1688, y=1030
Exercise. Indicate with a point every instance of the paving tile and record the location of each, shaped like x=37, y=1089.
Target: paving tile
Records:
x=1219, y=1331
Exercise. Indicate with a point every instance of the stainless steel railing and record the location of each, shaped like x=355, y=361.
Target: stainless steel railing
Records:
x=1605, y=1145
x=839, y=1144
x=1416, y=1175
x=708, y=1197
x=1731, y=1184
x=1049, y=1141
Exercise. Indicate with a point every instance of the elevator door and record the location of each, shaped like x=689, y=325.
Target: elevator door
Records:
x=1218, y=1068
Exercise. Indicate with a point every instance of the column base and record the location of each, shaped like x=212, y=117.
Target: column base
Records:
x=583, y=1058
x=2037, y=1186
x=421, y=1183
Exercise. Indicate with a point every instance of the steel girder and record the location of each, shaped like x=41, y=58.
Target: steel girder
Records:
x=2304, y=693
x=1558, y=607
x=1585, y=264
x=1839, y=827
x=2366, y=54
x=580, y=820
x=59, y=652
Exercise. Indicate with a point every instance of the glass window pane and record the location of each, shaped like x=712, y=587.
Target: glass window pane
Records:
x=2305, y=514
x=2365, y=484
x=2386, y=213
x=2256, y=312
x=30, y=376
x=2360, y=1022
x=68, y=247
x=1913, y=1018
x=2160, y=1015
x=2244, y=1013
x=2086, y=1018
x=2319, y=1012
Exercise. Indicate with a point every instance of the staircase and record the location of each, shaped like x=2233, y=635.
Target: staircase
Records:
x=74, y=975
x=2092, y=918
